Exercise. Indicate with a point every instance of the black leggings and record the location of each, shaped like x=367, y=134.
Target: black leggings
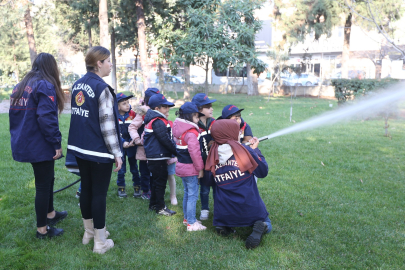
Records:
x=44, y=180
x=95, y=181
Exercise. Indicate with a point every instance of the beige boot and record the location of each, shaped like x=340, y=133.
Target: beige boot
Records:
x=172, y=185
x=101, y=243
x=89, y=231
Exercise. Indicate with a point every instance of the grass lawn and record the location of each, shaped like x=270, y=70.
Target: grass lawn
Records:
x=335, y=196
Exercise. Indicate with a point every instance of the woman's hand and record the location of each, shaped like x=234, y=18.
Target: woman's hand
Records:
x=58, y=153
x=118, y=164
x=254, y=142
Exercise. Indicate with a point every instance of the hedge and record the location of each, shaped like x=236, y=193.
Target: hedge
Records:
x=348, y=89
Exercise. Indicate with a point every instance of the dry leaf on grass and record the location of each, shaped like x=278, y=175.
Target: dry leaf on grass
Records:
x=361, y=180
x=322, y=163
x=250, y=113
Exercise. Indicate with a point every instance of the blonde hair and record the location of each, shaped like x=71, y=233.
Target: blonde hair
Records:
x=95, y=54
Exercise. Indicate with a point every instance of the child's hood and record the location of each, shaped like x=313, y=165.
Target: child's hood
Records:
x=180, y=126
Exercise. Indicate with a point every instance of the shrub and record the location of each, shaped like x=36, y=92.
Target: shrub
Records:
x=346, y=89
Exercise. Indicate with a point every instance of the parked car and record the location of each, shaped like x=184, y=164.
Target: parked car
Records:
x=171, y=79
x=303, y=79
x=195, y=79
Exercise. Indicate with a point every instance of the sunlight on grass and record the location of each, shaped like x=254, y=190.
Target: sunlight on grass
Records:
x=345, y=214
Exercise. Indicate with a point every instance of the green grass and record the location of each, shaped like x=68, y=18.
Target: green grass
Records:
x=347, y=214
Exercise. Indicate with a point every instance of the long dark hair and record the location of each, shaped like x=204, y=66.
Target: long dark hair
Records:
x=43, y=68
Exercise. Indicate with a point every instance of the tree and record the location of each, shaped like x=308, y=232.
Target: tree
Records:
x=303, y=17
x=30, y=33
x=384, y=21
x=220, y=34
x=103, y=18
x=79, y=25
x=15, y=57
x=142, y=42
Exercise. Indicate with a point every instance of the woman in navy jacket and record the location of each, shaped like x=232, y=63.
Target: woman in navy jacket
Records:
x=35, y=135
x=94, y=139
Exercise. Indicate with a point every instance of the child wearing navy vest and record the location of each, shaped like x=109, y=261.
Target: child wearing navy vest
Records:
x=232, y=112
x=125, y=117
x=159, y=147
x=190, y=164
x=204, y=105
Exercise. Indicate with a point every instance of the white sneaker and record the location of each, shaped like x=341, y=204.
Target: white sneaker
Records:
x=185, y=222
x=195, y=227
x=204, y=214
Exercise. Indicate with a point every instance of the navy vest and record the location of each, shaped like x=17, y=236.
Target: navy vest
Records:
x=85, y=138
x=205, y=137
x=153, y=149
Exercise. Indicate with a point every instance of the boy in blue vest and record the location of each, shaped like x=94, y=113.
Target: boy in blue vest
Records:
x=204, y=105
x=159, y=147
x=232, y=112
x=125, y=117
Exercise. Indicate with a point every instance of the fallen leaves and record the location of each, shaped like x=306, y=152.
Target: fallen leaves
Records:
x=322, y=163
x=361, y=180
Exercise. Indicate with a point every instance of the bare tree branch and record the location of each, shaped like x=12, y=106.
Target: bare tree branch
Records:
x=378, y=26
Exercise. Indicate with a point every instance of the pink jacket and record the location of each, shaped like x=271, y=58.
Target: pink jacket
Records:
x=136, y=123
x=182, y=170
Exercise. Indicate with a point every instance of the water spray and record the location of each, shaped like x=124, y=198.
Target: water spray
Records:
x=393, y=94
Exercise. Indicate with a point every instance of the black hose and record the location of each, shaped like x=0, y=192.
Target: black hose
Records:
x=68, y=186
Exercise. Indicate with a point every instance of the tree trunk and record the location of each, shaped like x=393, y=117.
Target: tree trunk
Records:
x=227, y=81
x=187, y=82
x=206, y=75
x=30, y=34
x=142, y=42
x=114, y=62
x=161, y=77
x=89, y=33
x=252, y=84
x=16, y=71
x=136, y=72
x=346, y=47
x=103, y=18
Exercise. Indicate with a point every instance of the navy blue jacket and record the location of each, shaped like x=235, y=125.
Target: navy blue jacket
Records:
x=158, y=141
x=237, y=201
x=34, y=126
x=205, y=137
x=124, y=121
x=85, y=138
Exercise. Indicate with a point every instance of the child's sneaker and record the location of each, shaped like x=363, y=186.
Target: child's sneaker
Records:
x=77, y=194
x=137, y=192
x=145, y=195
x=165, y=212
x=195, y=227
x=253, y=240
x=185, y=222
x=204, y=214
x=121, y=193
